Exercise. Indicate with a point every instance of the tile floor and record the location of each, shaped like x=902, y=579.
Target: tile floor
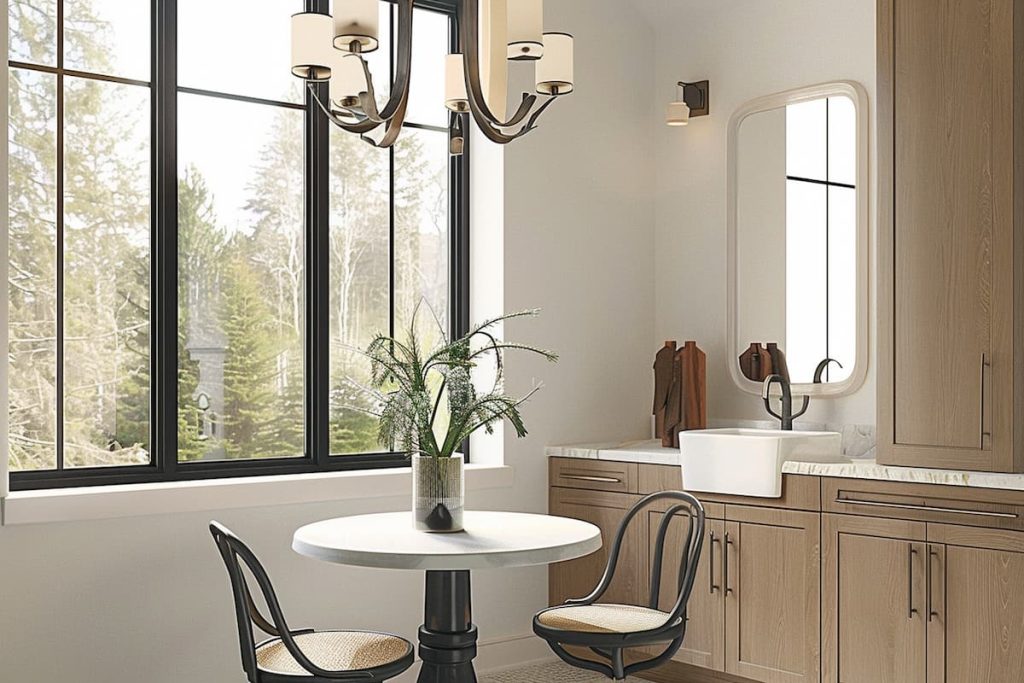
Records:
x=555, y=672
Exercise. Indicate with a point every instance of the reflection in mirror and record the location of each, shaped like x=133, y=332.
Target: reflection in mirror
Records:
x=796, y=241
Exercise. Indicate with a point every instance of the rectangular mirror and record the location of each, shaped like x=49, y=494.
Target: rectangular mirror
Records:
x=798, y=233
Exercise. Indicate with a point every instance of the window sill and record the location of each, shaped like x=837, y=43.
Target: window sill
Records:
x=134, y=500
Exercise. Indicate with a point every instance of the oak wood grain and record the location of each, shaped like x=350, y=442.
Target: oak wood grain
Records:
x=924, y=502
x=870, y=581
x=593, y=475
x=980, y=616
x=772, y=595
x=577, y=578
x=704, y=644
x=799, y=492
x=951, y=369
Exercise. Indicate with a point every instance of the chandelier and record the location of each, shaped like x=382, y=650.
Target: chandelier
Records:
x=328, y=49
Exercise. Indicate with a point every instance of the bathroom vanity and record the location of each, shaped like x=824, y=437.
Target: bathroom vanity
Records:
x=788, y=588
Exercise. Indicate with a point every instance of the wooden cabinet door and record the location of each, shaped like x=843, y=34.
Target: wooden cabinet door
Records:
x=772, y=582
x=577, y=578
x=976, y=629
x=874, y=611
x=947, y=246
x=704, y=643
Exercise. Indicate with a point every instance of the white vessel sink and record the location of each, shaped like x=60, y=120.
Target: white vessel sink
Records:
x=748, y=462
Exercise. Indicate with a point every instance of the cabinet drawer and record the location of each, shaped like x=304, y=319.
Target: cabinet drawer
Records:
x=594, y=475
x=988, y=508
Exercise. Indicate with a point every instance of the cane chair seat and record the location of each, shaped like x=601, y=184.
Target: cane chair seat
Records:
x=334, y=651
x=602, y=618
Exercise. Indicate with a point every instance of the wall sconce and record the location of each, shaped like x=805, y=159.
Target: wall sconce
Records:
x=694, y=100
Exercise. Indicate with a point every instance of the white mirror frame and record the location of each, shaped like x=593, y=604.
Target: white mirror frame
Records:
x=856, y=92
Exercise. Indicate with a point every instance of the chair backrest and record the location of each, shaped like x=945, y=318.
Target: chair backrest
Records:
x=683, y=505
x=235, y=553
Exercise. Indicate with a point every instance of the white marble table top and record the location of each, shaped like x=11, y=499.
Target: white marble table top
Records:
x=490, y=540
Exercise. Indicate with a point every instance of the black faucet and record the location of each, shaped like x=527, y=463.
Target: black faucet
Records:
x=787, y=416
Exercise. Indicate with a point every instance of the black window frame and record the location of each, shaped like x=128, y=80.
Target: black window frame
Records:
x=164, y=89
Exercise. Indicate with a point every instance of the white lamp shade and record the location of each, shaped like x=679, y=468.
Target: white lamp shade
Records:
x=555, y=68
x=455, y=97
x=678, y=114
x=348, y=80
x=356, y=25
x=311, y=46
x=525, y=29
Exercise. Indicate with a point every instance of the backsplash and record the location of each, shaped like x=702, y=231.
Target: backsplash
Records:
x=858, y=440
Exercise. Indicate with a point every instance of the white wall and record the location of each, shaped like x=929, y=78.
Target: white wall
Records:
x=747, y=48
x=145, y=598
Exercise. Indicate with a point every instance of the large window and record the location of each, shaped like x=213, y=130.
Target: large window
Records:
x=197, y=256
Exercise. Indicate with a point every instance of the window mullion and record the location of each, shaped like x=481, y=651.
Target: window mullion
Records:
x=391, y=185
x=164, y=311
x=59, y=246
x=317, y=250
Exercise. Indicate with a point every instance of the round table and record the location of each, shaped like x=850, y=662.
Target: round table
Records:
x=490, y=540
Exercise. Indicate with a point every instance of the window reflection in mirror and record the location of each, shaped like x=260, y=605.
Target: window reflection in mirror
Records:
x=796, y=241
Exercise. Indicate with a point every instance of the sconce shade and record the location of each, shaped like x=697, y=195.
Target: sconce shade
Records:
x=455, y=97
x=356, y=25
x=678, y=114
x=311, y=40
x=525, y=29
x=347, y=80
x=555, y=68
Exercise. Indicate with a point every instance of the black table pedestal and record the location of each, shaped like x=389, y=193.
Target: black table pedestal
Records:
x=448, y=636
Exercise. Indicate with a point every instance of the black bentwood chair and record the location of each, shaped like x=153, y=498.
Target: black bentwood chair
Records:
x=304, y=655
x=609, y=629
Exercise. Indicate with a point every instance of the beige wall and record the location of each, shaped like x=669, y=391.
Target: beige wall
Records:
x=747, y=48
x=127, y=600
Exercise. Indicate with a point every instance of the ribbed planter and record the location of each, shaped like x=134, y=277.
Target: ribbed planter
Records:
x=438, y=493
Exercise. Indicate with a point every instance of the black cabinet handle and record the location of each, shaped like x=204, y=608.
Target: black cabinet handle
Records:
x=711, y=568
x=728, y=544
x=932, y=614
x=911, y=552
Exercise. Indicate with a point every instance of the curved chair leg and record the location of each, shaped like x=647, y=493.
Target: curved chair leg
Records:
x=657, y=661
x=581, y=663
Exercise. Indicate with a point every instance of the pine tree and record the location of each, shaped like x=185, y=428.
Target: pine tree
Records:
x=200, y=246
x=251, y=371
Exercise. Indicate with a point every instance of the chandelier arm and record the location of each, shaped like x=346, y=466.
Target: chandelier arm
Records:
x=394, y=127
x=495, y=134
x=532, y=123
x=469, y=31
x=524, y=110
x=403, y=74
x=360, y=127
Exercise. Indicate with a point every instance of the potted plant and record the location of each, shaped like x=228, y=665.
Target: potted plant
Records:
x=429, y=406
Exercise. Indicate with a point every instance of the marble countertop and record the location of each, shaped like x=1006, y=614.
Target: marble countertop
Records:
x=652, y=452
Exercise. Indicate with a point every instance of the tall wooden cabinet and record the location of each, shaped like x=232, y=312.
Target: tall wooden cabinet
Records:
x=951, y=234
